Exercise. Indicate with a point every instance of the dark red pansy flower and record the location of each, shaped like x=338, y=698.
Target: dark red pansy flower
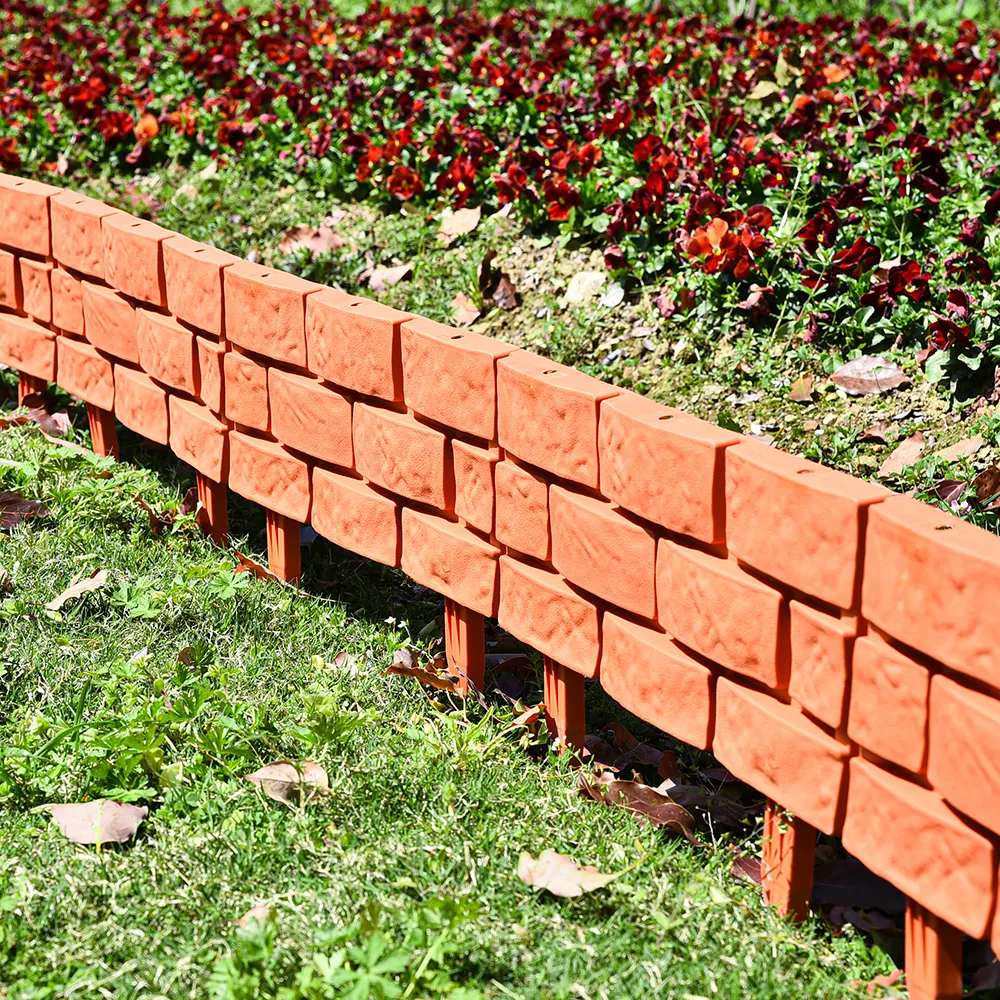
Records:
x=10, y=159
x=908, y=279
x=404, y=183
x=560, y=197
x=857, y=259
x=971, y=232
x=944, y=334
x=968, y=266
x=958, y=304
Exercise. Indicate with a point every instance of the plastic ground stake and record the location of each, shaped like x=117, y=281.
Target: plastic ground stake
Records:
x=787, y=861
x=284, y=548
x=103, y=431
x=933, y=956
x=565, y=713
x=214, y=514
x=465, y=645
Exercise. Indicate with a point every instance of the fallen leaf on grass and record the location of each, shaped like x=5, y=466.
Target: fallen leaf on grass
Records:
x=559, y=874
x=102, y=821
x=505, y=294
x=458, y=223
x=260, y=913
x=57, y=424
x=906, y=454
x=6, y=422
x=380, y=278
x=405, y=664
x=291, y=783
x=248, y=565
x=746, y=868
x=157, y=522
x=641, y=799
x=190, y=502
x=877, y=432
x=466, y=311
x=316, y=239
x=965, y=448
x=949, y=490
x=15, y=510
x=987, y=487
x=79, y=586
x=802, y=389
x=867, y=376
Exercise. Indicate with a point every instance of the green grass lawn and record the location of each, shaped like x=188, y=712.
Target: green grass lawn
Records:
x=403, y=881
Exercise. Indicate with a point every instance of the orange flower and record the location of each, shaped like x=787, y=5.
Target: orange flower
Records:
x=147, y=129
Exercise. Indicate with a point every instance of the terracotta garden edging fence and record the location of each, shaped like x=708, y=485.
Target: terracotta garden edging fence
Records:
x=833, y=644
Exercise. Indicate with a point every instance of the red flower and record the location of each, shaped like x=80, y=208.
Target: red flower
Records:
x=147, y=129
x=404, y=183
x=945, y=334
x=9, y=157
x=908, y=279
x=560, y=197
x=857, y=259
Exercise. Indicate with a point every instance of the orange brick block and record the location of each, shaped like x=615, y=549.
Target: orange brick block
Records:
x=211, y=372
x=36, y=288
x=356, y=516
x=651, y=676
x=24, y=209
x=540, y=608
x=451, y=560
x=922, y=847
x=397, y=452
x=267, y=473
x=547, y=415
x=723, y=612
x=665, y=466
x=474, y=491
x=797, y=521
x=522, y=510
x=888, y=703
x=109, y=321
x=246, y=391
x=85, y=373
x=77, y=236
x=926, y=574
x=199, y=438
x=193, y=276
x=450, y=376
x=310, y=417
x=10, y=281
x=266, y=311
x=355, y=343
x=821, y=656
x=776, y=749
x=141, y=404
x=133, y=257
x=167, y=351
x=964, y=758
x=67, y=301
x=601, y=549
x=27, y=347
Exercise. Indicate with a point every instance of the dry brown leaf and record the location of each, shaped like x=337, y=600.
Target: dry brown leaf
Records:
x=6, y=422
x=466, y=311
x=867, y=376
x=190, y=502
x=404, y=664
x=965, y=448
x=877, y=432
x=459, y=222
x=57, y=424
x=380, y=278
x=905, y=454
x=559, y=874
x=102, y=821
x=746, y=868
x=79, y=586
x=650, y=803
x=248, y=565
x=291, y=783
x=505, y=294
x=157, y=522
x=801, y=390
x=316, y=239
x=260, y=912
x=15, y=510
x=987, y=487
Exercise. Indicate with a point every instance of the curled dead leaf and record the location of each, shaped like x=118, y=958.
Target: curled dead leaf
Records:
x=877, y=432
x=505, y=294
x=867, y=376
x=102, y=821
x=247, y=565
x=291, y=783
x=458, y=223
x=987, y=487
x=79, y=586
x=380, y=278
x=433, y=675
x=905, y=454
x=559, y=874
x=651, y=804
x=315, y=239
x=466, y=311
x=15, y=510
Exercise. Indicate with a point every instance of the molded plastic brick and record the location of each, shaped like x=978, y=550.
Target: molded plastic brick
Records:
x=36, y=288
x=665, y=466
x=24, y=208
x=776, y=749
x=141, y=404
x=397, y=452
x=10, y=281
x=246, y=391
x=522, y=510
x=133, y=258
x=267, y=473
x=927, y=574
x=451, y=560
x=85, y=373
x=211, y=372
x=540, y=608
x=651, y=676
x=547, y=415
x=964, y=759
x=77, y=236
x=797, y=521
x=27, y=347
x=199, y=438
x=310, y=417
x=723, y=612
x=355, y=343
x=193, y=275
x=356, y=516
x=922, y=847
x=166, y=351
x=821, y=656
x=67, y=301
x=602, y=550
x=450, y=376
x=266, y=311
x=109, y=319
x=888, y=713
x=474, y=490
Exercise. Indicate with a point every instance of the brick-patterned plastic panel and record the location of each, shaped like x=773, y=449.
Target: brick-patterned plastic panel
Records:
x=835, y=645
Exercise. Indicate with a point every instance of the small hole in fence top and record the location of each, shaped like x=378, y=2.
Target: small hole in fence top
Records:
x=135, y=225
x=266, y=274
x=805, y=472
x=200, y=249
x=944, y=527
x=551, y=371
x=667, y=416
x=18, y=184
x=457, y=336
